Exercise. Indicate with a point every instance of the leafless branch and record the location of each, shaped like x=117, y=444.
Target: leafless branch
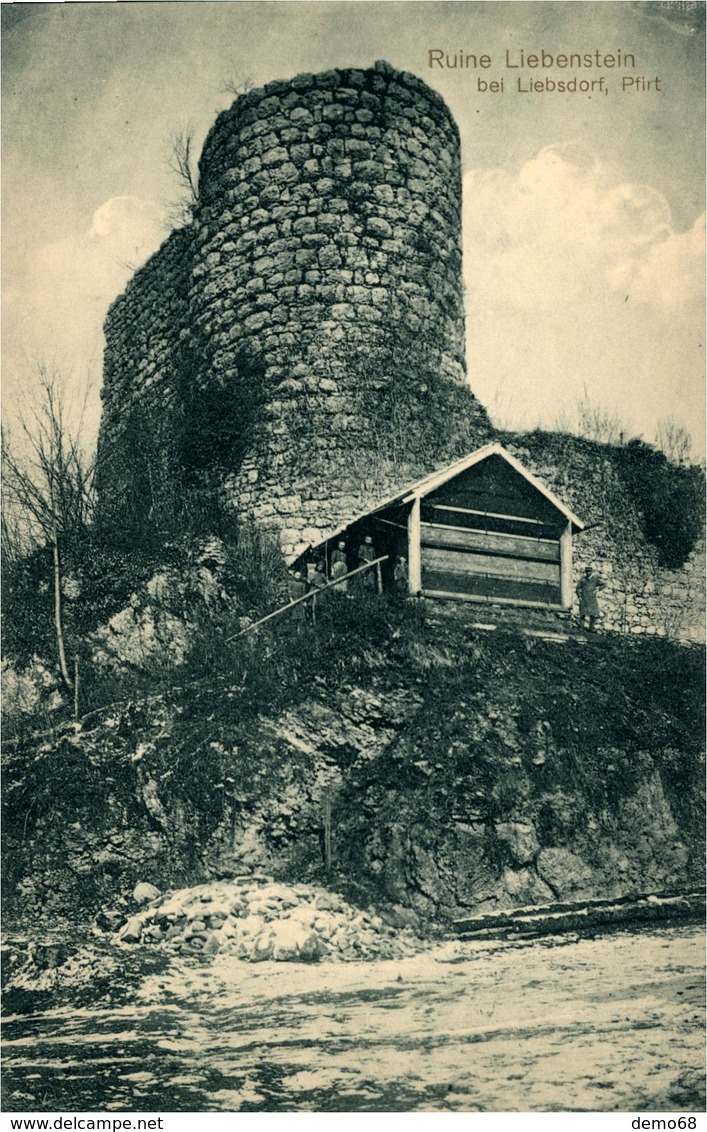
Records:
x=182, y=163
x=239, y=84
x=598, y=423
x=674, y=440
x=47, y=475
x=47, y=487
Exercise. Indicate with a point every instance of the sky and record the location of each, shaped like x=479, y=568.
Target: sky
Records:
x=583, y=212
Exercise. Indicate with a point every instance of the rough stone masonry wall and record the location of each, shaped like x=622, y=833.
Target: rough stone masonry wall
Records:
x=141, y=363
x=639, y=595
x=326, y=244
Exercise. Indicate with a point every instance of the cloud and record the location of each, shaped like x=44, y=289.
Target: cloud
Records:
x=61, y=302
x=559, y=230
x=577, y=279
x=55, y=312
x=672, y=272
x=127, y=218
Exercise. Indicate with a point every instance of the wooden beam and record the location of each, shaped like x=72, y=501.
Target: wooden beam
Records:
x=414, y=561
x=488, y=514
x=447, y=595
x=528, y=537
x=465, y=538
x=326, y=816
x=566, y=566
x=463, y=562
x=311, y=596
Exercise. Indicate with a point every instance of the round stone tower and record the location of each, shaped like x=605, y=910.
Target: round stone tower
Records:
x=335, y=198
x=325, y=291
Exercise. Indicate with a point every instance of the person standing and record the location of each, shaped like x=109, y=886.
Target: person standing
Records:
x=366, y=553
x=298, y=588
x=296, y=585
x=340, y=567
x=319, y=580
x=400, y=576
x=587, y=589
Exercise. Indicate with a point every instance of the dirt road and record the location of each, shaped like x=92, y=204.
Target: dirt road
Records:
x=612, y=1023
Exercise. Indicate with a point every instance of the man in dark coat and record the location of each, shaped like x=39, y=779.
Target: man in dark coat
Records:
x=296, y=585
x=298, y=588
x=587, y=588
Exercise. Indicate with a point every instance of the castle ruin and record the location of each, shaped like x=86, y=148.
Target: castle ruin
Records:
x=319, y=289
x=301, y=340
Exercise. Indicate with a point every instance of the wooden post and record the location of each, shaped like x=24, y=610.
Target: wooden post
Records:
x=76, y=688
x=233, y=824
x=566, y=567
x=58, y=626
x=414, y=563
x=379, y=579
x=326, y=814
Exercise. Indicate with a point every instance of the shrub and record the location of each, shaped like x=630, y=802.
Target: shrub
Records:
x=669, y=497
x=219, y=416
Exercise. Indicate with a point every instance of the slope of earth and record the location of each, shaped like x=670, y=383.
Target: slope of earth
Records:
x=405, y=759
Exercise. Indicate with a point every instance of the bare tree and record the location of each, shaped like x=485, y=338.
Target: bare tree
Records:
x=183, y=163
x=239, y=84
x=674, y=440
x=598, y=423
x=15, y=540
x=47, y=488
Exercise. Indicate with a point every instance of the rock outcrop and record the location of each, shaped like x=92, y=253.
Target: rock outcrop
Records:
x=256, y=919
x=449, y=771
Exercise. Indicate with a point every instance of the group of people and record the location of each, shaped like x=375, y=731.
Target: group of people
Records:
x=364, y=581
x=369, y=581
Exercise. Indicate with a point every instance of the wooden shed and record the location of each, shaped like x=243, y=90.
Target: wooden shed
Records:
x=484, y=529
x=487, y=529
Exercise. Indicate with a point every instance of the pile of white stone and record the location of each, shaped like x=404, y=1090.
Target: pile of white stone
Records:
x=257, y=921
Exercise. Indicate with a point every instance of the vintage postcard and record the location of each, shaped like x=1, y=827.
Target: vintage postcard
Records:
x=353, y=560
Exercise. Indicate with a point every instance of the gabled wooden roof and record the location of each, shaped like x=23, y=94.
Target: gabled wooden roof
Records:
x=434, y=480
x=431, y=482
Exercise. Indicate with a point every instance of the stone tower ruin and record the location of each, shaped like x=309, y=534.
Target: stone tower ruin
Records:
x=303, y=337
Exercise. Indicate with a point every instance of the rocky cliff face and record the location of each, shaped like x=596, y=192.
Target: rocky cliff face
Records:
x=463, y=771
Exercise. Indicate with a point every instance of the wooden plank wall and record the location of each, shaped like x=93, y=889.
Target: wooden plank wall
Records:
x=489, y=542
x=489, y=564
x=486, y=588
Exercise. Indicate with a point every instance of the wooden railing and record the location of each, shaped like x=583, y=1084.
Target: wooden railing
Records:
x=311, y=596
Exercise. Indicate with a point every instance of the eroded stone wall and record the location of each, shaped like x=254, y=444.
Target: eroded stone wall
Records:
x=325, y=257
x=335, y=197
x=639, y=596
x=143, y=331
x=318, y=290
